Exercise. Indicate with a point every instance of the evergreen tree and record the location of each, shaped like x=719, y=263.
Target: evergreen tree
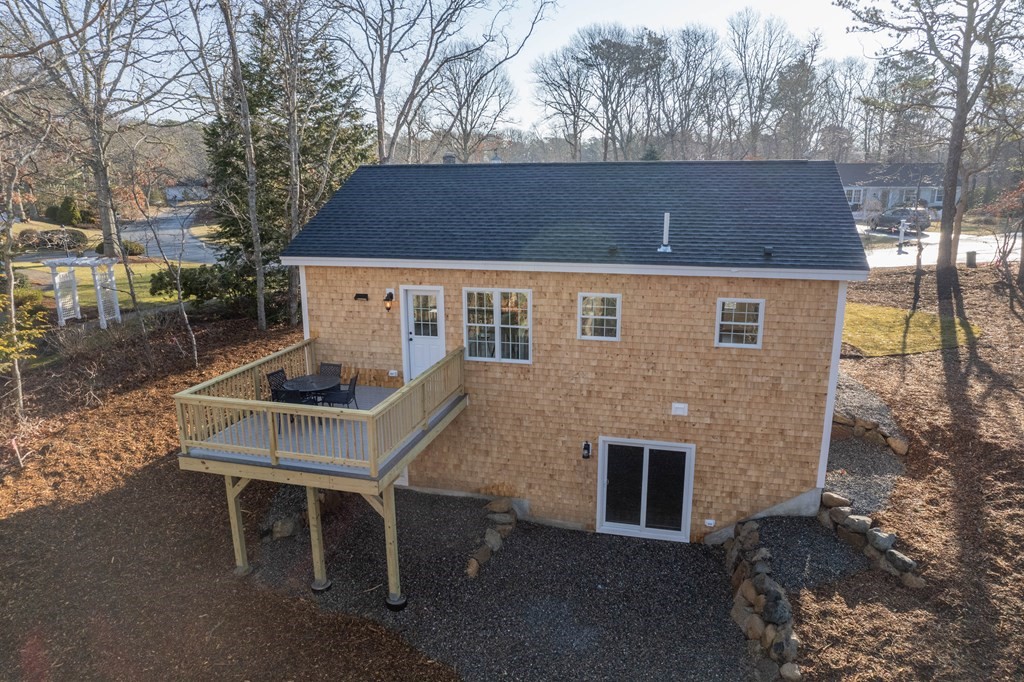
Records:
x=333, y=142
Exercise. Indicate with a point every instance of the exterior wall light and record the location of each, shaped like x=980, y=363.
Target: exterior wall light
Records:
x=389, y=298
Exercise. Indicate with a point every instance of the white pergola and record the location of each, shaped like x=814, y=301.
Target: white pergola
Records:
x=65, y=288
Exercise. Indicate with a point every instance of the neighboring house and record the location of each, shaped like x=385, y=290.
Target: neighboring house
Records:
x=872, y=188
x=522, y=330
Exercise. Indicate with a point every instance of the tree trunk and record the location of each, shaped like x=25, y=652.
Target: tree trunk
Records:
x=104, y=203
x=250, y=163
x=946, y=276
x=294, y=170
x=12, y=317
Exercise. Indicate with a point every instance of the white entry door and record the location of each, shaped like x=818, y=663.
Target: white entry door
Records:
x=423, y=328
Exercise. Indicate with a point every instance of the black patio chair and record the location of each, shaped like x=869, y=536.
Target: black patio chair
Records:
x=343, y=396
x=278, y=393
x=330, y=369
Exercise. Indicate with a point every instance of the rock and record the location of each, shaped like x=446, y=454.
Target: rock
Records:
x=901, y=562
x=748, y=527
x=839, y=514
x=876, y=437
x=859, y=431
x=856, y=523
x=732, y=556
x=284, y=528
x=913, y=581
x=472, y=568
x=785, y=647
x=740, y=599
x=492, y=539
x=760, y=554
x=749, y=541
x=759, y=602
x=898, y=445
x=766, y=586
x=740, y=613
x=502, y=505
x=867, y=424
x=741, y=573
x=881, y=541
x=729, y=544
x=872, y=553
x=502, y=518
x=887, y=567
x=776, y=611
x=482, y=554
x=843, y=418
x=824, y=519
x=766, y=670
x=762, y=567
x=753, y=628
x=834, y=500
x=748, y=591
x=790, y=672
x=841, y=432
x=850, y=537
x=504, y=530
x=768, y=636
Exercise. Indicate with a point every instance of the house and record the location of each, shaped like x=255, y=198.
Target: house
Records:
x=872, y=188
x=646, y=349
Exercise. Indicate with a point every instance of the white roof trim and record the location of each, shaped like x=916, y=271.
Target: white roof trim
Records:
x=599, y=268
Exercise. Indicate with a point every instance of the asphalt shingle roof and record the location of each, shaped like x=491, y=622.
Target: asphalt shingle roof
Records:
x=723, y=215
x=891, y=174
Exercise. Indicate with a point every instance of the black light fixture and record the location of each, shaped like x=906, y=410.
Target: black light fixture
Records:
x=389, y=298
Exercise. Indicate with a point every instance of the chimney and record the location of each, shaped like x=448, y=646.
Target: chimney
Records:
x=665, y=248
x=449, y=158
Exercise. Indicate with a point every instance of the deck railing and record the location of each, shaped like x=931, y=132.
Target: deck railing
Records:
x=227, y=414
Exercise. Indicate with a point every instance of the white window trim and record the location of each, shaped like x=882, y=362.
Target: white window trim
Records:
x=638, y=531
x=718, y=322
x=579, y=317
x=496, y=295
x=856, y=195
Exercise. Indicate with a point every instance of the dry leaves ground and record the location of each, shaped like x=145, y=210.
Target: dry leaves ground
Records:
x=958, y=509
x=116, y=565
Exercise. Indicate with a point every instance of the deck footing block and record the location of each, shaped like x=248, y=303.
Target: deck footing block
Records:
x=242, y=571
x=320, y=585
x=396, y=603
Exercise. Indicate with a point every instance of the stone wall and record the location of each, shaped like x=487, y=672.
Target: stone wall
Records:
x=847, y=426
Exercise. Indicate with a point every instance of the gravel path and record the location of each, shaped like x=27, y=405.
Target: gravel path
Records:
x=806, y=554
x=552, y=604
x=863, y=471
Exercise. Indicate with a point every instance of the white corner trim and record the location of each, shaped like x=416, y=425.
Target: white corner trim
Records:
x=597, y=268
x=305, y=301
x=833, y=381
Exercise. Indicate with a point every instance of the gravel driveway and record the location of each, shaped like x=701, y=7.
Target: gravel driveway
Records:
x=552, y=604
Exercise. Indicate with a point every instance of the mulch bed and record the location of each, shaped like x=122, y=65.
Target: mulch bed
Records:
x=116, y=565
x=958, y=509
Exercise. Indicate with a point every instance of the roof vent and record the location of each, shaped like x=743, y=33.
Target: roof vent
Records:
x=665, y=248
x=449, y=158
x=768, y=251
x=495, y=158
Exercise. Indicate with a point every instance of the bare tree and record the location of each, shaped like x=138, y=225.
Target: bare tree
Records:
x=965, y=39
x=472, y=100
x=762, y=48
x=245, y=121
x=402, y=47
x=562, y=91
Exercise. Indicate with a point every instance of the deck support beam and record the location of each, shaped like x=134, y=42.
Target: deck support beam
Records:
x=396, y=601
x=234, y=486
x=316, y=536
x=375, y=502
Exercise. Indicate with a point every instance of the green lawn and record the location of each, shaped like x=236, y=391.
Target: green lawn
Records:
x=205, y=232
x=87, y=294
x=879, y=330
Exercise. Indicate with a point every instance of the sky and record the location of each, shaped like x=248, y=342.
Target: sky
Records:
x=802, y=16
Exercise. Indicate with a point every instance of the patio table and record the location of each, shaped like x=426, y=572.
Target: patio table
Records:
x=311, y=384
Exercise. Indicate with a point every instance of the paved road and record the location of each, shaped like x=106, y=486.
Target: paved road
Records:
x=986, y=246
x=172, y=232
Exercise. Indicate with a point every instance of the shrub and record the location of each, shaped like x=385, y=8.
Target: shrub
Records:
x=134, y=248
x=69, y=213
x=51, y=212
x=89, y=217
x=68, y=238
x=20, y=281
x=28, y=298
x=30, y=239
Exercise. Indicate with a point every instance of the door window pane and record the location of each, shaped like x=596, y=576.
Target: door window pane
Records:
x=625, y=484
x=666, y=479
x=424, y=314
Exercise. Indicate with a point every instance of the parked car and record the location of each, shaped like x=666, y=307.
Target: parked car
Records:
x=917, y=219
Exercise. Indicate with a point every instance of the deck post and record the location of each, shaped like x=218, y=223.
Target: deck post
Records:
x=316, y=536
x=242, y=566
x=396, y=601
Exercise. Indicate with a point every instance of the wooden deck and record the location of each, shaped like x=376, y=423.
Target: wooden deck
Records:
x=228, y=427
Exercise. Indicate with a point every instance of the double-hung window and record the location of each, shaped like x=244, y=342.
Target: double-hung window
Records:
x=600, y=316
x=740, y=322
x=498, y=325
x=854, y=196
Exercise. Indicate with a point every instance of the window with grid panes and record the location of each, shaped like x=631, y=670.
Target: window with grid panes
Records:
x=498, y=325
x=599, y=316
x=739, y=322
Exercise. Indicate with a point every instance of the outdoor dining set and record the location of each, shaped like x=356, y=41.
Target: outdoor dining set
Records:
x=322, y=388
